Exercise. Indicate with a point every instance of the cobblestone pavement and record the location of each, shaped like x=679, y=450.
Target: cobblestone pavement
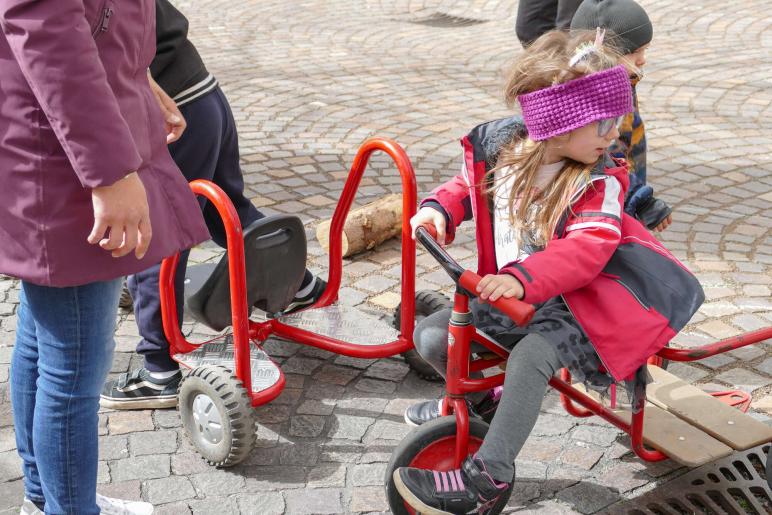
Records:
x=309, y=82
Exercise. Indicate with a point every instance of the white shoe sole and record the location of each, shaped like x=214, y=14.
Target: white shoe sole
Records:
x=166, y=401
x=412, y=500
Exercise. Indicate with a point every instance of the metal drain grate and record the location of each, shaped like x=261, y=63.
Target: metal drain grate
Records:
x=735, y=485
x=447, y=21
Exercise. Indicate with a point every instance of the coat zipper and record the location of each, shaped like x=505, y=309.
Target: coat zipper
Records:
x=630, y=290
x=104, y=21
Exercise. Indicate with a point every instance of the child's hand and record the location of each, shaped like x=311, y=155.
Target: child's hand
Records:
x=429, y=216
x=491, y=287
x=664, y=223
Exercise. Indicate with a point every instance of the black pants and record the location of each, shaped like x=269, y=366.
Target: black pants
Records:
x=208, y=149
x=535, y=17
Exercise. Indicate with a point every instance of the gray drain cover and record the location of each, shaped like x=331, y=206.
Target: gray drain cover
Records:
x=446, y=21
x=736, y=485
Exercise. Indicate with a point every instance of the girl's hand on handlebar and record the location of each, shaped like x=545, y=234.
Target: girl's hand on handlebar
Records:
x=492, y=287
x=429, y=216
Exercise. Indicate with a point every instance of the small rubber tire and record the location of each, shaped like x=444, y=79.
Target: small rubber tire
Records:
x=427, y=302
x=216, y=387
x=435, y=437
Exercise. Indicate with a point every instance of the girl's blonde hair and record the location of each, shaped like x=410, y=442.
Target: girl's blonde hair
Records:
x=545, y=63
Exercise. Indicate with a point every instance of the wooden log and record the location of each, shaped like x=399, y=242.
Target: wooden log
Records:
x=367, y=226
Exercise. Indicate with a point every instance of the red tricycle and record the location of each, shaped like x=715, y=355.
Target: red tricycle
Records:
x=672, y=420
x=262, y=268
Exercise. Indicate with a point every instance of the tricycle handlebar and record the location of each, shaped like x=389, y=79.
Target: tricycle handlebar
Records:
x=519, y=311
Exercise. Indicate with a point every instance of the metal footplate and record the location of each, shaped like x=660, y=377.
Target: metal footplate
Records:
x=265, y=373
x=344, y=323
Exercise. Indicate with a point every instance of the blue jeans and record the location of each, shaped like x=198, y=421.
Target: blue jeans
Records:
x=63, y=352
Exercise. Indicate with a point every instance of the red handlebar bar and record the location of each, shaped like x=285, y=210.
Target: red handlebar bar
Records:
x=519, y=311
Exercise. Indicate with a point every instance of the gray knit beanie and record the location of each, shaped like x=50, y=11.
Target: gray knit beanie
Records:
x=625, y=18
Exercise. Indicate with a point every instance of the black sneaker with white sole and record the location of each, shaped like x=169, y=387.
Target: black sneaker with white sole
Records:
x=306, y=296
x=426, y=411
x=137, y=389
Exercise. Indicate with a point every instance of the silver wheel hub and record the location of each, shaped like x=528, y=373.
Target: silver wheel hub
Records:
x=207, y=420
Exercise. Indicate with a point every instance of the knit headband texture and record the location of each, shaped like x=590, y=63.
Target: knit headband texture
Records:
x=561, y=108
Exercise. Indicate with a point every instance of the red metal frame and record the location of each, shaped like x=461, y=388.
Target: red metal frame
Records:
x=245, y=330
x=459, y=382
x=404, y=341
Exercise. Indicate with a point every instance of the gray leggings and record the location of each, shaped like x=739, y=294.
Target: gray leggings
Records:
x=531, y=364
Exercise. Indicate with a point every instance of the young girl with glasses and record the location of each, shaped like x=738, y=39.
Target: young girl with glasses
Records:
x=547, y=201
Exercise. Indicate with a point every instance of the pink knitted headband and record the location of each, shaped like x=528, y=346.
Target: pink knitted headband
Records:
x=564, y=107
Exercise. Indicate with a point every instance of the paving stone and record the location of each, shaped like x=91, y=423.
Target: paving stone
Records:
x=306, y=426
x=367, y=475
x=765, y=367
x=214, y=505
x=300, y=453
x=268, y=503
x=141, y=467
x=172, y=508
x=297, y=365
x=587, y=497
x=271, y=478
x=336, y=375
x=348, y=427
x=387, y=369
x=551, y=425
x=743, y=379
x=7, y=439
x=167, y=418
x=313, y=407
x=599, y=436
x=187, y=463
x=113, y=447
x=319, y=500
x=327, y=475
x=624, y=477
x=122, y=422
x=10, y=466
x=582, y=456
x=386, y=430
x=217, y=482
x=368, y=499
x=155, y=442
x=169, y=489
x=375, y=386
x=126, y=490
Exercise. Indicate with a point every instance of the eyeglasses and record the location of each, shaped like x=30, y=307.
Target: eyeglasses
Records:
x=605, y=125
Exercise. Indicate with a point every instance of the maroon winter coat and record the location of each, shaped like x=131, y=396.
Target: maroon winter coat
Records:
x=76, y=112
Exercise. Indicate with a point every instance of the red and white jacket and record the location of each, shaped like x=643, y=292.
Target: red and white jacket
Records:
x=628, y=293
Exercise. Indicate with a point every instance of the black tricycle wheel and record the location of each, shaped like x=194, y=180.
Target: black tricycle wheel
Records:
x=427, y=302
x=432, y=445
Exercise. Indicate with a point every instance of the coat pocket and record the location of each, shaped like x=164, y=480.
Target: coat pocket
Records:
x=102, y=23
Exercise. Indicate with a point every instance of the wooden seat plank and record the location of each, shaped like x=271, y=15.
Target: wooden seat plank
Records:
x=679, y=440
x=725, y=423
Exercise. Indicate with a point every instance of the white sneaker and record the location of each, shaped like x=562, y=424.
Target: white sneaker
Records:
x=29, y=508
x=110, y=506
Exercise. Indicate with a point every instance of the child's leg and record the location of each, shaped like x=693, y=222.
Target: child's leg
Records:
x=531, y=364
x=430, y=338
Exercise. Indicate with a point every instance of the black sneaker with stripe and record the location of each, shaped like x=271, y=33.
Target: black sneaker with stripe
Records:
x=306, y=296
x=137, y=389
x=470, y=489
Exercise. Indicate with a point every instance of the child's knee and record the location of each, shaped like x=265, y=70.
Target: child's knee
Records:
x=430, y=337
